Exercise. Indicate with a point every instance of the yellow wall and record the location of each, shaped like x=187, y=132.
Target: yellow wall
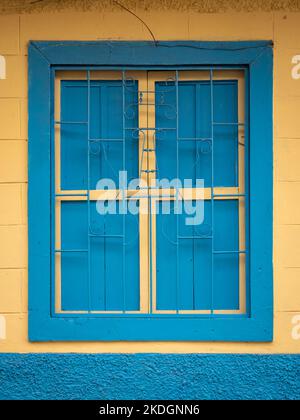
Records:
x=17, y=30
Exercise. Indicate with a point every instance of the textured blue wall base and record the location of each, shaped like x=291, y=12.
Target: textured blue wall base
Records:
x=149, y=377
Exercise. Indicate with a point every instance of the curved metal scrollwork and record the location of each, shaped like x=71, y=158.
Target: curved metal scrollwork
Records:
x=203, y=231
x=94, y=147
x=205, y=146
x=130, y=111
x=130, y=85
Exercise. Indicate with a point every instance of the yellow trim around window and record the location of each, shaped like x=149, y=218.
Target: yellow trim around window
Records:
x=148, y=198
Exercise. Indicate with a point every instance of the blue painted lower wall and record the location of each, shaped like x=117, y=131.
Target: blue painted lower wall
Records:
x=154, y=376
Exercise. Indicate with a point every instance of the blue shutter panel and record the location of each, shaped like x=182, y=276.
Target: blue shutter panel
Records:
x=205, y=282
x=98, y=283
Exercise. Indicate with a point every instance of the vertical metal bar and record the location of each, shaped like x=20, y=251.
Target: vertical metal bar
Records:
x=123, y=194
x=89, y=187
x=103, y=134
x=177, y=192
x=150, y=211
x=212, y=187
x=150, y=198
x=197, y=160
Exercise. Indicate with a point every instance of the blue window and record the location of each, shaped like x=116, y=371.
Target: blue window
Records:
x=155, y=188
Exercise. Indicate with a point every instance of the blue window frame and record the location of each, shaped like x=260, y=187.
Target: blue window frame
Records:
x=77, y=291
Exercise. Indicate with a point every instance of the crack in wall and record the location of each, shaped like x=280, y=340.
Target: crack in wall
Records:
x=203, y=6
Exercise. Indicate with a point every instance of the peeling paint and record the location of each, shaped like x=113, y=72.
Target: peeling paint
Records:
x=203, y=6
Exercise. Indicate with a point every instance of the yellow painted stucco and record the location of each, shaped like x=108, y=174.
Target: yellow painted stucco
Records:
x=184, y=23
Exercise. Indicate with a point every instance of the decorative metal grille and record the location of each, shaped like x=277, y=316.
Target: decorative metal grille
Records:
x=152, y=124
